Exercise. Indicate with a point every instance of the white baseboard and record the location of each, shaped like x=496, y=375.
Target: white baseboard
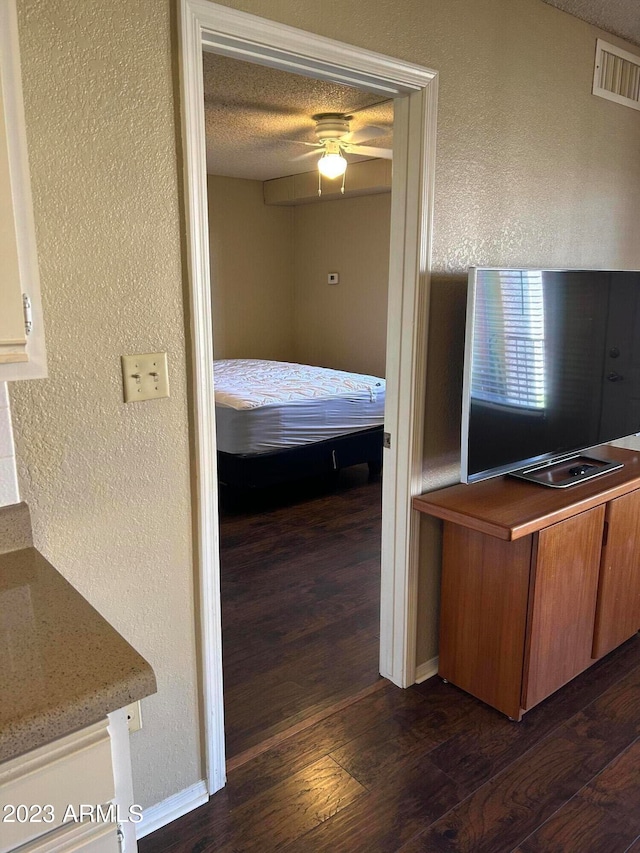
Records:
x=172, y=808
x=426, y=670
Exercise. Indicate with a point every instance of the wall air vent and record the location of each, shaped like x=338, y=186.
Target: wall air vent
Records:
x=617, y=75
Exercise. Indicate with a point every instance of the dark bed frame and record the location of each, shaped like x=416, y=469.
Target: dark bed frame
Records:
x=257, y=470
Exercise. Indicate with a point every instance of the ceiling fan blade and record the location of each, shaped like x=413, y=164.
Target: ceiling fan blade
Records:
x=300, y=142
x=369, y=151
x=368, y=132
x=303, y=156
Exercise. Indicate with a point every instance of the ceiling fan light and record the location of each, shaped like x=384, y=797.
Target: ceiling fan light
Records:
x=332, y=165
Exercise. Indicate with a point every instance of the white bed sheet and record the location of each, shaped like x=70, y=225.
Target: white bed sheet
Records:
x=263, y=406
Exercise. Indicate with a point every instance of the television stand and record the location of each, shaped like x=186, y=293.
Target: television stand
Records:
x=537, y=584
x=560, y=473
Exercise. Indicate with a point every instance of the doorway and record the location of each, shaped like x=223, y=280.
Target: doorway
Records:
x=299, y=558
x=223, y=30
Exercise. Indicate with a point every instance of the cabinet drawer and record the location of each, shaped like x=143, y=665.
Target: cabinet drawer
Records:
x=74, y=770
x=85, y=838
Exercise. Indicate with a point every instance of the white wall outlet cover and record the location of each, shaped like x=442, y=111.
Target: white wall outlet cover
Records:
x=145, y=376
x=333, y=278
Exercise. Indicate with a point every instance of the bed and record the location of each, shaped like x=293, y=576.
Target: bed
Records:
x=277, y=421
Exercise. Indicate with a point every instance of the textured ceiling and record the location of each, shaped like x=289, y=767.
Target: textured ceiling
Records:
x=620, y=17
x=252, y=114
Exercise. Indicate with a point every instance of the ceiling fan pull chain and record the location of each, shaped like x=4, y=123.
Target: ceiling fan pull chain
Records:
x=320, y=182
x=344, y=175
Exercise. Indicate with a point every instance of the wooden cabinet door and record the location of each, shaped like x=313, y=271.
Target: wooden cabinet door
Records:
x=483, y=615
x=562, y=603
x=618, y=608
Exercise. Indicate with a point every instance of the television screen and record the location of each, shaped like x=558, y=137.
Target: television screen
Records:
x=552, y=365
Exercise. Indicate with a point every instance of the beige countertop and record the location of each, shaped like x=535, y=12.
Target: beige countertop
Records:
x=62, y=666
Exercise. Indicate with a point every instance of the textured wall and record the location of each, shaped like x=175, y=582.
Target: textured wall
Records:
x=108, y=483
x=251, y=271
x=531, y=169
x=345, y=325
x=269, y=264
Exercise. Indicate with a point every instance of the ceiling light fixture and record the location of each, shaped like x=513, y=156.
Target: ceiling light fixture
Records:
x=335, y=139
x=332, y=164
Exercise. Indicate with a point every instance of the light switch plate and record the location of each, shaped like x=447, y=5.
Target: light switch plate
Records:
x=145, y=376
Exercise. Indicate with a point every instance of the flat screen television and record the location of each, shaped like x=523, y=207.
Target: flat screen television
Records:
x=551, y=368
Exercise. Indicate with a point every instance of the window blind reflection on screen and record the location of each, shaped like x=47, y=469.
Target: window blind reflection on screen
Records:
x=509, y=342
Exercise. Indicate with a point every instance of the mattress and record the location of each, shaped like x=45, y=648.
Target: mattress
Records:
x=262, y=406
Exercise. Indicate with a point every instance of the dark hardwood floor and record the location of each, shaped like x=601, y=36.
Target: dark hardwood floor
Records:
x=300, y=583
x=432, y=769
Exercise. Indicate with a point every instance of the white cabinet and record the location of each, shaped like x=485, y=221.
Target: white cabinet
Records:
x=45, y=792
x=22, y=351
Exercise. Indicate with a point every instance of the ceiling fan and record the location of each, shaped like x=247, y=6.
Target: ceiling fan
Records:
x=335, y=139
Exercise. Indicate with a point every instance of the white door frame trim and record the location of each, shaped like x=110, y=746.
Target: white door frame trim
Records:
x=208, y=26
